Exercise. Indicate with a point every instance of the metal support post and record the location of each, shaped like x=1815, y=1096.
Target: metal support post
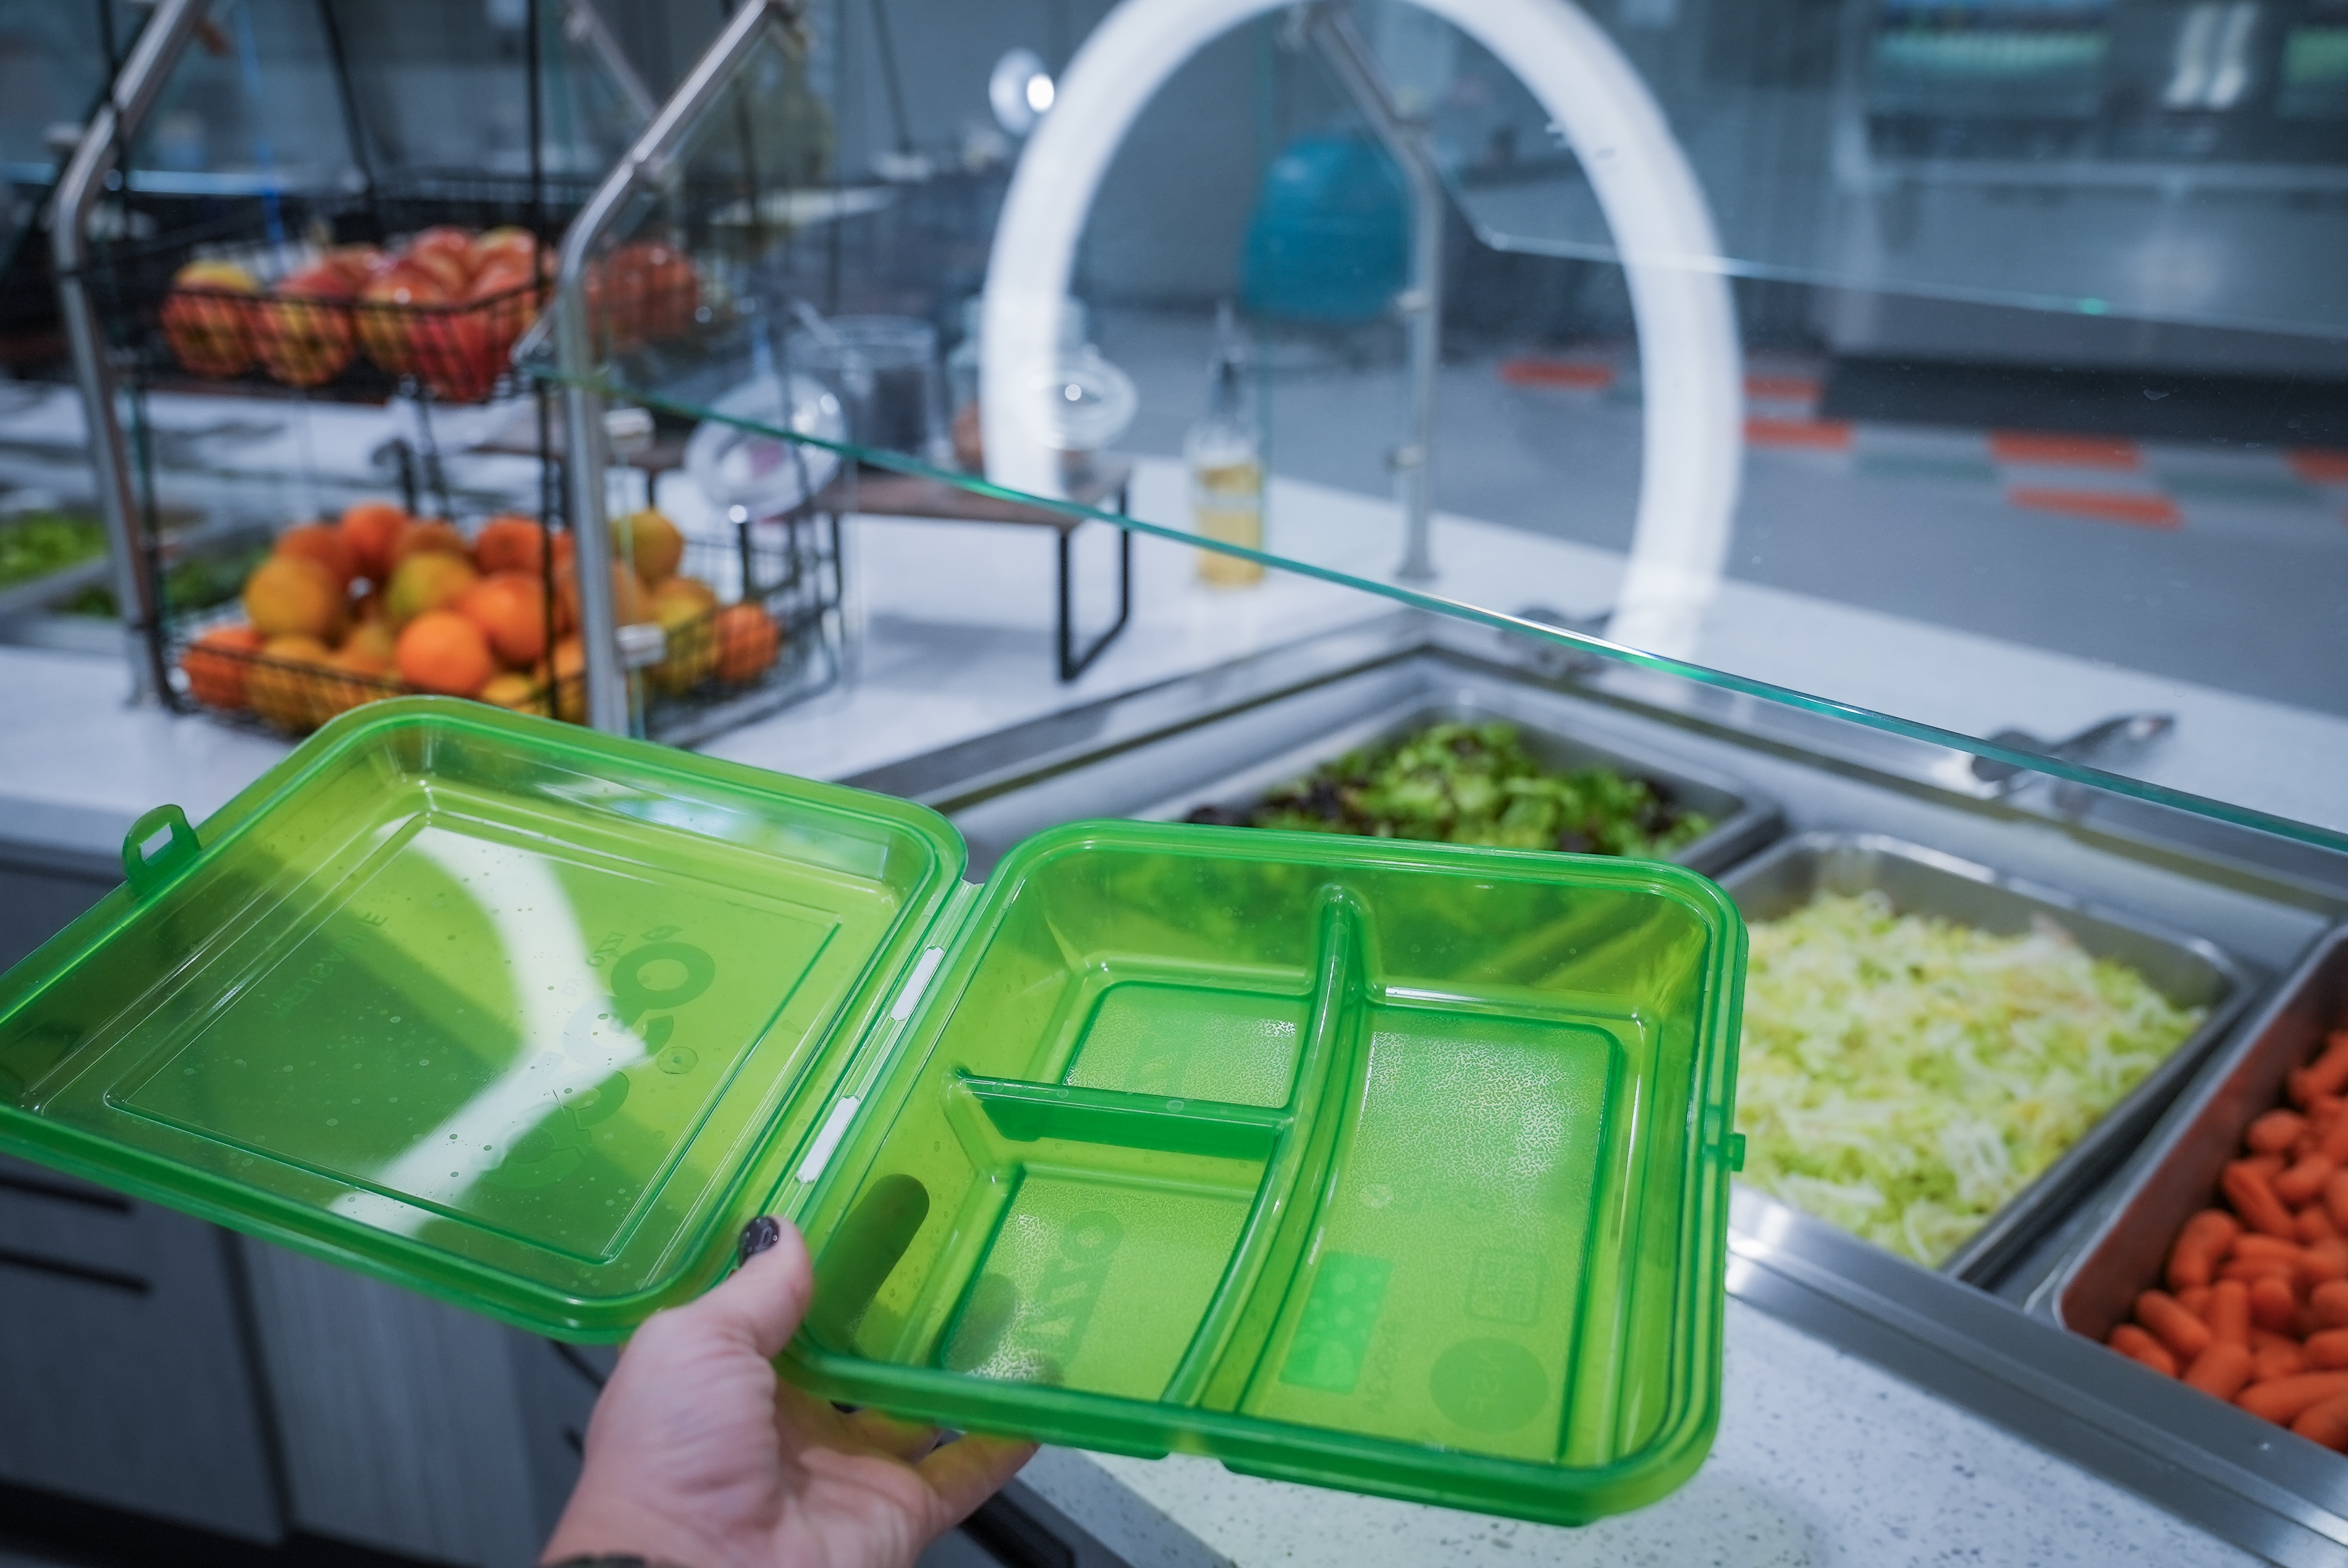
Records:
x=574, y=343
x=1420, y=306
x=99, y=154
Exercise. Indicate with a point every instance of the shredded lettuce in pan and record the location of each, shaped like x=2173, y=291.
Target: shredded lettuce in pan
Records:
x=1904, y=1077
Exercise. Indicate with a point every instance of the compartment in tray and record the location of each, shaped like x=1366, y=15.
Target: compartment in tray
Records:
x=2175, y=1173
x=2185, y=970
x=1739, y=820
x=1422, y=1180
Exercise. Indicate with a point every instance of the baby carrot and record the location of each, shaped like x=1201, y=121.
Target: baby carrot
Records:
x=2314, y=1224
x=2327, y=1074
x=2255, y=1248
x=2328, y=1350
x=2179, y=1329
x=2195, y=1299
x=2303, y=1182
x=2246, y=1271
x=2282, y=1400
x=2328, y=1302
x=2229, y=1311
x=2331, y=1137
x=2255, y=1201
x=2275, y=1132
x=2137, y=1345
x=2335, y=1198
x=2281, y=1359
x=2326, y=1423
x=2200, y=1246
x=2267, y=1165
x=2223, y=1369
x=2271, y=1303
x=2323, y=1262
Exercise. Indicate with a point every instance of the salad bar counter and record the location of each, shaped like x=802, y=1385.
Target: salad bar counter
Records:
x=1951, y=1172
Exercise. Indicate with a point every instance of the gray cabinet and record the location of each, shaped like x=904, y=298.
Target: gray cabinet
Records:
x=125, y=1377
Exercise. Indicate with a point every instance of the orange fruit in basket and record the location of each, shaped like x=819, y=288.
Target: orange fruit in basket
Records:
x=372, y=638
x=372, y=528
x=322, y=542
x=288, y=595
x=627, y=598
x=511, y=609
x=515, y=690
x=685, y=609
x=567, y=673
x=287, y=683
x=748, y=642
x=217, y=663
x=510, y=543
x=443, y=652
x=430, y=533
x=658, y=546
x=303, y=332
x=353, y=675
x=209, y=331
x=434, y=580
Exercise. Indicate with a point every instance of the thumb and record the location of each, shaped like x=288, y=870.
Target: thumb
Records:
x=760, y=1305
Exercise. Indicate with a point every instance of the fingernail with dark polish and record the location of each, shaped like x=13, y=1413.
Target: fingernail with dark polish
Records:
x=759, y=1235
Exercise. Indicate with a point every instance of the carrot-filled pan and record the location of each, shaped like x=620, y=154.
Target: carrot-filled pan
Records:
x=2223, y=1258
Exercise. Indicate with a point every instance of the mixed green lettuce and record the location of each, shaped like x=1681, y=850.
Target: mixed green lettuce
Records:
x=1478, y=784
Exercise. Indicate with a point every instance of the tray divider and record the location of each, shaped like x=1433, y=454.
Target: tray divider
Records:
x=1221, y=1362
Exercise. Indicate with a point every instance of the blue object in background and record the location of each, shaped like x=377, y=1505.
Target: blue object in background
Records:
x=1329, y=241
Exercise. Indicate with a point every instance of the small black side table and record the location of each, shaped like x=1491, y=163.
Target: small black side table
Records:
x=880, y=493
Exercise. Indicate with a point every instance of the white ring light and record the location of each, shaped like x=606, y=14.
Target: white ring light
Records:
x=1689, y=360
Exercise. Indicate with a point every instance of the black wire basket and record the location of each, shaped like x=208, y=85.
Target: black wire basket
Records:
x=299, y=291
x=747, y=626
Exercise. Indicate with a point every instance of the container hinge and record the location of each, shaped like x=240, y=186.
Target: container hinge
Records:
x=925, y=969
x=835, y=1128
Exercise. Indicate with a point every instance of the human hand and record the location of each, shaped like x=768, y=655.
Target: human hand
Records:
x=698, y=1454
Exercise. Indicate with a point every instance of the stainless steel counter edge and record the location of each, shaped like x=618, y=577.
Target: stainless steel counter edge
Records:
x=2246, y=1480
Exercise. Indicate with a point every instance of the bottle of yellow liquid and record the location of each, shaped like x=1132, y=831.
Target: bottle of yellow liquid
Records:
x=1224, y=452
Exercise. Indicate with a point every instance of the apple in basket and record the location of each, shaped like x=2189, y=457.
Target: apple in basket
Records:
x=509, y=244
x=397, y=326
x=475, y=342
x=205, y=322
x=304, y=330
x=447, y=253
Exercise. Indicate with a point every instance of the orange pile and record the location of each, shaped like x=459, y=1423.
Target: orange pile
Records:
x=382, y=603
x=2256, y=1310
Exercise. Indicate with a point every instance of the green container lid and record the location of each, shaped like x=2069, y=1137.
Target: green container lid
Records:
x=1396, y=1166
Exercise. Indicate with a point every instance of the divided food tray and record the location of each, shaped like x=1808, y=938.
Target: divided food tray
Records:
x=1402, y=1168
x=2186, y=970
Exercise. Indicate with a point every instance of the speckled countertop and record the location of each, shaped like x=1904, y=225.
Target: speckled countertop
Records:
x=1822, y=1459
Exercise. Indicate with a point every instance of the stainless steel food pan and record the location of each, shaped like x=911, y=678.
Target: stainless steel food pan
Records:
x=2185, y=969
x=2176, y=1171
x=1742, y=822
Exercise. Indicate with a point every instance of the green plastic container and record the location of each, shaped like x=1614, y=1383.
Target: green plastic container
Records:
x=1396, y=1166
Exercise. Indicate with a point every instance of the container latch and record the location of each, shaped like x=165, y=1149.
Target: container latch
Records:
x=147, y=871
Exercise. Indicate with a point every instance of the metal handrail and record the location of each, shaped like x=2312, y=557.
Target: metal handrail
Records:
x=1333, y=35
x=582, y=24
x=583, y=405
x=99, y=155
